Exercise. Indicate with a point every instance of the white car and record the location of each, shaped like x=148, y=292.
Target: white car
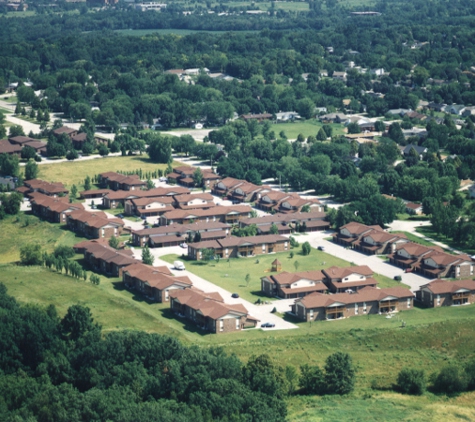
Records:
x=163, y=179
x=179, y=265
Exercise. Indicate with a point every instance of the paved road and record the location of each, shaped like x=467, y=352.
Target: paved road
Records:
x=414, y=281
x=261, y=312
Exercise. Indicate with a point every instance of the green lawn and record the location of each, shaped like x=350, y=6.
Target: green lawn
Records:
x=306, y=128
x=74, y=172
x=232, y=275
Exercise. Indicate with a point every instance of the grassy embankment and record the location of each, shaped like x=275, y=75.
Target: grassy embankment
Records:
x=379, y=346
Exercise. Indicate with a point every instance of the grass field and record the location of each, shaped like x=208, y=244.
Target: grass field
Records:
x=25, y=229
x=306, y=128
x=231, y=275
x=74, y=172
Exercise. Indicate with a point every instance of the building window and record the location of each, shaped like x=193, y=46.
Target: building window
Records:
x=238, y=325
x=438, y=299
x=221, y=325
x=263, y=247
x=285, y=245
x=356, y=309
x=311, y=313
x=364, y=307
x=408, y=302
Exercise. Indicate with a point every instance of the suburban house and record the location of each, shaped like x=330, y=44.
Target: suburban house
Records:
x=246, y=192
x=94, y=225
x=177, y=234
x=414, y=209
x=209, y=312
x=65, y=129
x=369, y=300
x=222, y=187
x=50, y=189
x=193, y=201
x=259, y=117
x=116, y=181
x=348, y=279
x=6, y=147
x=149, y=206
x=272, y=199
x=411, y=149
x=93, y=193
x=232, y=247
x=109, y=261
x=288, y=223
x=21, y=142
x=114, y=198
x=184, y=175
x=54, y=209
x=372, y=240
x=155, y=283
x=231, y=214
x=409, y=255
x=439, y=264
x=80, y=139
x=293, y=285
x=296, y=203
x=447, y=293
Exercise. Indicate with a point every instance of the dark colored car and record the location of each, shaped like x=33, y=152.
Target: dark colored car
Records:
x=120, y=215
x=268, y=325
x=235, y=295
x=397, y=278
x=321, y=248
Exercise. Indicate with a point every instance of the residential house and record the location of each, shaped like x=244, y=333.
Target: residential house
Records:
x=54, y=209
x=149, y=206
x=246, y=192
x=184, y=176
x=113, y=199
x=231, y=214
x=369, y=300
x=272, y=199
x=293, y=285
x=65, y=129
x=456, y=109
x=288, y=223
x=232, y=247
x=93, y=193
x=447, y=293
x=21, y=140
x=341, y=76
x=222, y=187
x=155, y=283
x=6, y=147
x=408, y=150
x=194, y=201
x=50, y=189
x=109, y=261
x=333, y=118
x=439, y=264
x=348, y=279
x=414, y=209
x=209, y=312
x=351, y=234
x=409, y=255
x=177, y=234
x=94, y=224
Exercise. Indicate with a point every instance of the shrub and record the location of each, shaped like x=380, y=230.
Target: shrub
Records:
x=293, y=242
x=311, y=380
x=411, y=381
x=450, y=380
x=339, y=374
x=31, y=254
x=306, y=248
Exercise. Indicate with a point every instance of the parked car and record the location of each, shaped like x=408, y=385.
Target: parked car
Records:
x=397, y=278
x=179, y=265
x=183, y=245
x=268, y=325
x=163, y=179
x=235, y=295
x=120, y=215
x=321, y=248
x=143, y=217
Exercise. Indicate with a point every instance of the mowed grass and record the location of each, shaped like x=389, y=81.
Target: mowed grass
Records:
x=232, y=275
x=306, y=128
x=74, y=172
x=416, y=239
x=429, y=231
x=17, y=231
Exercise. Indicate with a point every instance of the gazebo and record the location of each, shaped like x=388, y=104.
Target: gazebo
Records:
x=276, y=265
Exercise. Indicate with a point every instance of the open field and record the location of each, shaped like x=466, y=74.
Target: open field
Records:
x=74, y=172
x=306, y=128
x=26, y=229
x=231, y=275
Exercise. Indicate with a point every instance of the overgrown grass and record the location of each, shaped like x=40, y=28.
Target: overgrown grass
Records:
x=74, y=172
x=231, y=275
x=306, y=128
x=17, y=231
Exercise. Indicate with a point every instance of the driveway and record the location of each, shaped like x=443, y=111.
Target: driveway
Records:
x=379, y=266
x=261, y=312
